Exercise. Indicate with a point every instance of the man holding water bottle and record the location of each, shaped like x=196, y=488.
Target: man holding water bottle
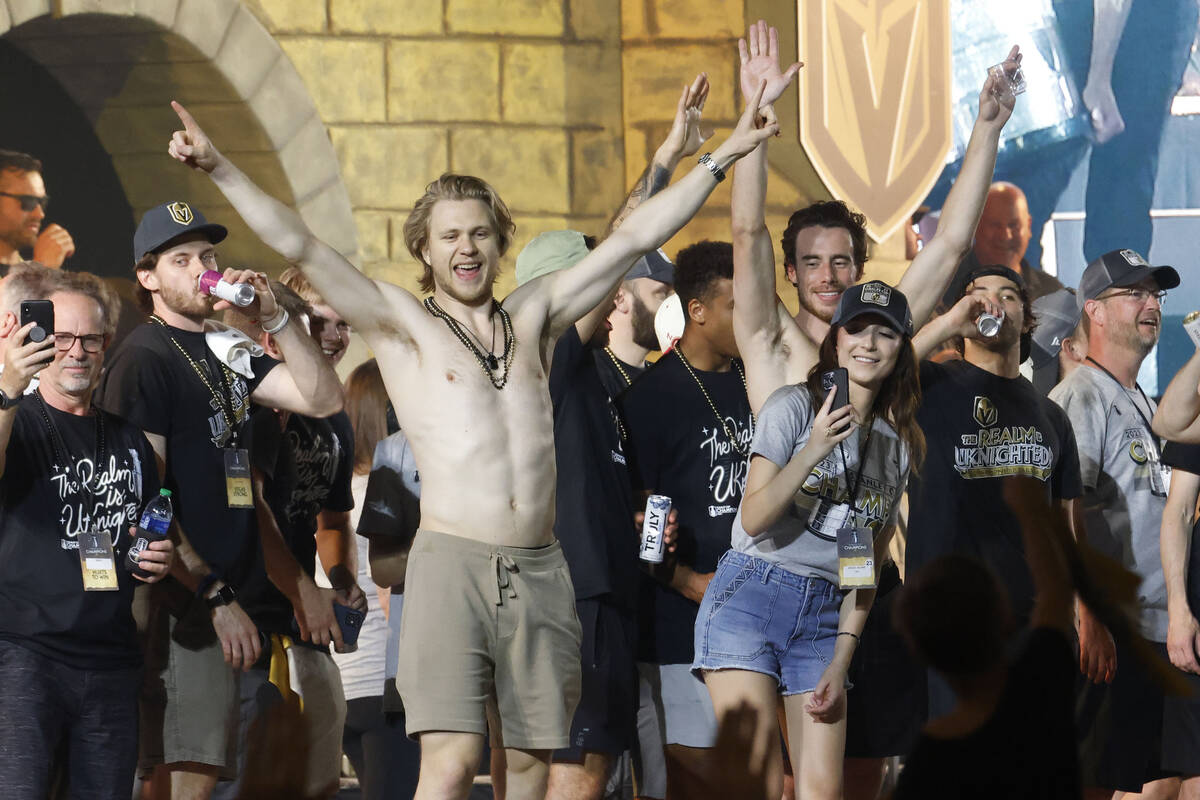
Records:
x=73, y=481
x=189, y=386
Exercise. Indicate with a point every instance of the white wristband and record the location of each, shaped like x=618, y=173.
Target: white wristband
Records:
x=283, y=321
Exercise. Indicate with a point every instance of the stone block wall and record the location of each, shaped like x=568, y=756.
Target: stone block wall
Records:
x=525, y=93
x=558, y=103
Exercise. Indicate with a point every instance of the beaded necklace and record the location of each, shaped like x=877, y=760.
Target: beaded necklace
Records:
x=617, y=363
x=487, y=361
x=224, y=401
x=733, y=442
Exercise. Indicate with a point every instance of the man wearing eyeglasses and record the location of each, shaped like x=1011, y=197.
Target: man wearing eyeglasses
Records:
x=23, y=203
x=72, y=482
x=1125, y=492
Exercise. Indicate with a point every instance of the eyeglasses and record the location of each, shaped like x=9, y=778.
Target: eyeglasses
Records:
x=29, y=201
x=1140, y=296
x=91, y=342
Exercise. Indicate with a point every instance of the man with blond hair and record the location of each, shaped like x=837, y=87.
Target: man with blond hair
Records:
x=489, y=605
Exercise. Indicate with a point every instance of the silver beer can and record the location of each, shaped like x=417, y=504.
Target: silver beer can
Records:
x=654, y=526
x=989, y=324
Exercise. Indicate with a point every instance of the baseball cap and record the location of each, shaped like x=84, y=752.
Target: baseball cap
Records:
x=653, y=264
x=550, y=252
x=169, y=221
x=875, y=297
x=1057, y=314
x=1121, y=268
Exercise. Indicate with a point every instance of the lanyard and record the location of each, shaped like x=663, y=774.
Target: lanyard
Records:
x=224, y=397
x=1136, y=407
x=62, y=453
x=862, y=456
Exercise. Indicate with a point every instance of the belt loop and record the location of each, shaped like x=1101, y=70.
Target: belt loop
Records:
x=767, y=572
x=503, y=565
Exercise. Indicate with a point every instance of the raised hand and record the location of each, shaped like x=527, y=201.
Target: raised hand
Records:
x=192, y=145
x=759, y=53
x=749, y=133
x=54, y=246
x=996, y=100
x=23, y=360
x=686, y=133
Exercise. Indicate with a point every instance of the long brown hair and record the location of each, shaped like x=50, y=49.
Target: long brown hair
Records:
x=897, y=401
x=366, y=404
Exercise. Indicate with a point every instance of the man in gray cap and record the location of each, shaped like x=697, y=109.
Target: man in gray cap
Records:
x=1124, y=496
x=632, y=337
x=1059, y=341
x=193, y=403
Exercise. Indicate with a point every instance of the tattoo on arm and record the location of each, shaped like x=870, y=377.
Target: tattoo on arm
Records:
x=652, y=181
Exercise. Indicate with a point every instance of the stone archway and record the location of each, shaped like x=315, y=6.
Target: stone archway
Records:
x=122, y=61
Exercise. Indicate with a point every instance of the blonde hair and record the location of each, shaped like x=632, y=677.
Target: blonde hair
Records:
x=454, y=187
x=295, y=280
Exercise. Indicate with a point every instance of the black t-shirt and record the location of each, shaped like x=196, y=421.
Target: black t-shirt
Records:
x=615, y=374
x=594, y=501
x=1186, y=457
x=678, y=447
x=44, y=506
x=304, y=466
x=981, y=428
x=323, y=451
x=150, y=383
x=1025, y=751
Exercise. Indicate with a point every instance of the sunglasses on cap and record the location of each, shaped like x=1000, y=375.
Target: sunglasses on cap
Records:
x=29, y=201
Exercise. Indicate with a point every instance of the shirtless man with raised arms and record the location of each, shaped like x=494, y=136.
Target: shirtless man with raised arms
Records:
x=489, y=606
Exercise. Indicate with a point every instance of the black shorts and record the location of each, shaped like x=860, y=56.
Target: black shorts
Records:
x=606, y=718
x=1120, y=727
x=1181, y=726
x=884, y=709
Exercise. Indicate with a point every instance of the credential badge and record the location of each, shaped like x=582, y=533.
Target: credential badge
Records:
x=181, y=213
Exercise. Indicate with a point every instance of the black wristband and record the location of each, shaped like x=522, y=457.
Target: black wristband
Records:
x=224, y=596
x=205, y=584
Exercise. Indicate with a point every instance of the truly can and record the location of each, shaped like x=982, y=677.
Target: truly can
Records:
x=989, y=324
x=654, y=528
x=1191, y=324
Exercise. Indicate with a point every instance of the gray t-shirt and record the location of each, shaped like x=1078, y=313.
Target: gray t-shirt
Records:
x=804, y=539
x=1124, y=483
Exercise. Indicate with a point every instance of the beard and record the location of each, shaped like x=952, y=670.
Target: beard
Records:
x=642, y=325
x=21, y=238
x=820, y=312
x=1132, y=336
x=188, y=304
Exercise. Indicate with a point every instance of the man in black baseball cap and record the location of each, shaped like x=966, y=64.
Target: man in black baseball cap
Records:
x=983, y=422
x=1122, y=268
x=163, y=224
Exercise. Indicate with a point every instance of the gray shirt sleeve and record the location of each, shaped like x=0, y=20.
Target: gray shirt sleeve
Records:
x=1087, y=410
x=783, y=425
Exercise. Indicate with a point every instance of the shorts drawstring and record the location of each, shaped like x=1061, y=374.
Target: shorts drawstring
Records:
x=504, y=565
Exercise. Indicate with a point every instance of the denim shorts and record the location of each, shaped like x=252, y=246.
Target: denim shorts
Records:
x=760, y=617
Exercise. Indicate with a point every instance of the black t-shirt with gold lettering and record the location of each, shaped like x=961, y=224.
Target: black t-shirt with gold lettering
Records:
x=979, y=429
x=150, y=383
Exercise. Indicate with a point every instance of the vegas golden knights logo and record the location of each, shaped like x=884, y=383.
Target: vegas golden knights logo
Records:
x=985, y=412
x=180, y=212
x=875, y=101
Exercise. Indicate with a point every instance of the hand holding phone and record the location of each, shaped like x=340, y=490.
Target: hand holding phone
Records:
x=838, y=379
x=41, y=313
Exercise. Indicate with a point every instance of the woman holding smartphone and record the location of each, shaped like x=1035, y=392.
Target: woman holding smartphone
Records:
x=788, y=602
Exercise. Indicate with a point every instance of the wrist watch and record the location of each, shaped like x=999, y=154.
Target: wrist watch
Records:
x=224, y=596
x=7, y=402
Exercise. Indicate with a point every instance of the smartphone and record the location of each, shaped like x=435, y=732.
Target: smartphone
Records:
x=350, y=620
x=40, y=312
x=840, y=379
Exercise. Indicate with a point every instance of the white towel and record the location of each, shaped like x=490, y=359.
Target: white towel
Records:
x=231, y=346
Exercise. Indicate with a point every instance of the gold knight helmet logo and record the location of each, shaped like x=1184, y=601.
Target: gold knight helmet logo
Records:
x=875, y=99
x=985, y=411
x=180, y=212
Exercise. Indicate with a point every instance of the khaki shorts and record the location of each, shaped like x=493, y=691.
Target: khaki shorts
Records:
x=189, y=701
x=483, y=620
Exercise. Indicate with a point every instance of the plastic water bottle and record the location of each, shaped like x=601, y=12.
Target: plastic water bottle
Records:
x=240, y=294
x=152, y=527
